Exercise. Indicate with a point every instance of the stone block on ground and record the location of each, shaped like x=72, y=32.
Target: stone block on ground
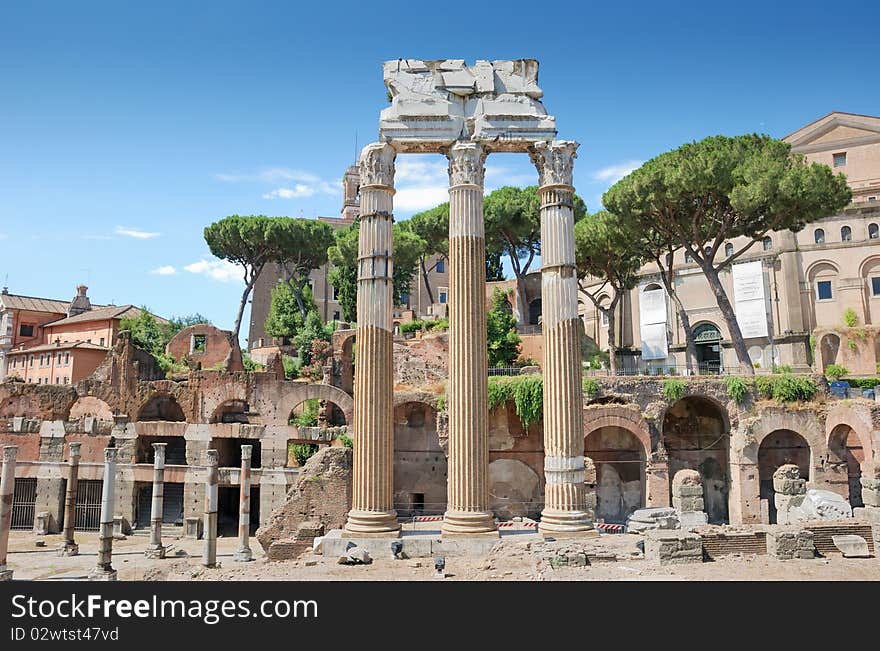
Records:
x=355, y=556
x=659, y=517
x=287, y=550
x=851, y=546
x=673, y=547
x=309, y=530
x=820, y=505
x=789, y=543
x=690, y=519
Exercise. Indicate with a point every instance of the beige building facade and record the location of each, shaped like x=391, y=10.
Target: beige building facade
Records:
x=791, y=291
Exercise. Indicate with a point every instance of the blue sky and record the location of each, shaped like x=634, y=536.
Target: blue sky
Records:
x=125, y=128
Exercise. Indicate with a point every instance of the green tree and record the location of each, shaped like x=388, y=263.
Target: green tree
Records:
x=513, y=226
x=705, y=193
x=343, y=256
x=302, y=248
x=251, y=242
x=494, y=265
x=608, y=259
x=285, y=317
x=152, y=334
x=433, y=227
x=502, y=340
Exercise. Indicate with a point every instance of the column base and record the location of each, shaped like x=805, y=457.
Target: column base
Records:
x=100, y=574
x=244, y=555
x=557, y=524
x=154, y=552
x=371, y=523
x=5, y=575
x=469, y=523
x=68, y=549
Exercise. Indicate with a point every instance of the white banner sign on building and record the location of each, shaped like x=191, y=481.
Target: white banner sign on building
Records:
x=652, y=323
x=749, y=299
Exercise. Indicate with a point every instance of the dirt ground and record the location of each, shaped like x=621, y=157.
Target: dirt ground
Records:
x=515, y=558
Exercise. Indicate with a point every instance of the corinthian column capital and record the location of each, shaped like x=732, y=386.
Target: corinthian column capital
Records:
x=466, y=164
x=555, y=161
x=376, y=164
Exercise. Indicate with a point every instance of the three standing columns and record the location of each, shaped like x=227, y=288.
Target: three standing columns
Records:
x=7, y=489
x=564, y=498
x=468, y=503
x=68, y=546
x=372, y=511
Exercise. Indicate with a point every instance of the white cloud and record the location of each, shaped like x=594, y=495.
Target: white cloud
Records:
x=135, y=233
x=221, y=270
x=421, y=182
x=613, y=173
x=301, y=190
x=271, y=175
x=421, y=198
x=166, y=270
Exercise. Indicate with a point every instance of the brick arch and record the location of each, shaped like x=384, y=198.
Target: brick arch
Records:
x=90, y=406
x=805, y=424
x=857, y=421
x=598, y=416
x=715, y=402
x=302, y=392
x=213, y=400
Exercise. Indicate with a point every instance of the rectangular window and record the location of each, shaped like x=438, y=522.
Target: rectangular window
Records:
x=840, y=159
x=66, y=380
x=32, y=361
x=59, y=359
x=25, y=330
x=336, y=316
x=441, y=266
x=442, y=297
x=875, y=286
x=823, y=290
x=66, y=359
x=199, y=343
x=102, y=341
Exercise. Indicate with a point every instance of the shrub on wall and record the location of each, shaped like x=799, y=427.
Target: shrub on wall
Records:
x=850, y=318
x=673, y=389
x=737, y=388
x=786, y=388
x=302, y=451
x=526, y=392
x=836, y=371
x=591, y=387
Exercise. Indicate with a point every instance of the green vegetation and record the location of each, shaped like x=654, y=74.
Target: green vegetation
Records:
x=441, y=402
x=526, y=392
x=346, y=441
x=850, y=318
x=737, y=388
x=863, y=382
x=782, y=368
x=591, y=387
x=301, y=451
x=309, y=415
x=673, y=388
x=253, y=241
x=502, y=340
x=152, y=335
x=291, y=367
x=786, y=388
x=427, y=326
x=250, y=365
x=836, y=371
x=852, y=344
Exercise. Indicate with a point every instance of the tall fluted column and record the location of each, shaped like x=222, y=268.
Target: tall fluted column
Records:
x=467, y=510
x=156, y=549
x=372, y=506
x=68, y=545
x=104, y=571
x=209, y=556
x=244, y=553
x=564, y=499
x=7, y=488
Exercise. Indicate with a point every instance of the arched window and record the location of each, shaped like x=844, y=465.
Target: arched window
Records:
x=873, y=231
x=687, y=257
x=819, y=236
x=845, y=234
x=728, y=249
x=768, y=243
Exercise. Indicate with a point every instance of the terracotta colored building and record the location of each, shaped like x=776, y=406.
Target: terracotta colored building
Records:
x=57, y=342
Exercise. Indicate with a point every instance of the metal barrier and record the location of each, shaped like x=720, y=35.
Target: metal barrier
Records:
x=24, y=503
x=88, y=504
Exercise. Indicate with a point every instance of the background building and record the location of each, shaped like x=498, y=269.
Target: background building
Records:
x=806, y=280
